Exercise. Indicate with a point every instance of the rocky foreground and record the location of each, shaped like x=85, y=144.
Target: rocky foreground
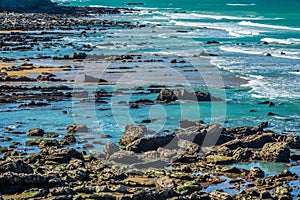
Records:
x=136, y=168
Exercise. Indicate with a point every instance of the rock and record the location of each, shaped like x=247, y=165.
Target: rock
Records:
x=80, y=56
x=125, y=157
x=132, y=133
x=48, y=143
x=18, y=166
x=212, y=42
x=166, y=95
x=188, y=147
x=275, y=152
x=252, y=141
x=256, y=172
x=166, y=182
x=149, y=143
x=68, y=139
x=189, y=187
x=220, y=195
x=59, y=155
x=36, y=132
x=286, y=173
x=110, y=148
x=265, y=195
x=15, y=182
x=134, y=106
x=75, y=128
x=186, y=123
x=271, y=114
x=50, y=135
x=242, y=154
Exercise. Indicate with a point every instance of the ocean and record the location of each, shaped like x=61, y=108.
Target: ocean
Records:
x=256, y=48
x=257, y=40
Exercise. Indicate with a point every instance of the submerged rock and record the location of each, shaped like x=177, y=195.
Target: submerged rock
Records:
x=75, y=128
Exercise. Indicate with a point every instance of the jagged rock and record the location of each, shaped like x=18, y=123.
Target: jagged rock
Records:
x=15, y=182
x=36, y=132
x=256, y=172
x=18, y=166
x=68, y=139
x=252, y=141
x=242, y=154
x=186, y=123
x=166, y=182
x=110, y=148
x=126, y=157
x=75, y=128
x=132, y=133
x=275, y=152
x=59, y=155
x=167, y=95
x=149, y=143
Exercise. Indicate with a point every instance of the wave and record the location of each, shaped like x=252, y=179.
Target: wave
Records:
x=240, y=4
x=248, y=23
x=216, y=17
x=238, y=50
x=296, y=72
x=233, y=30
x=281, y=41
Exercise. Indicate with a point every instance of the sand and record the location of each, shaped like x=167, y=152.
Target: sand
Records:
x=28, y=72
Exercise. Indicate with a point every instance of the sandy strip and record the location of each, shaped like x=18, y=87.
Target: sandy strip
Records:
x=28, y=72
x=11, y=31
x=34, y=71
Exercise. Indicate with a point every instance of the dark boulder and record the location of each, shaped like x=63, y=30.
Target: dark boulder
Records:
x=36, y=132
x=18, y=166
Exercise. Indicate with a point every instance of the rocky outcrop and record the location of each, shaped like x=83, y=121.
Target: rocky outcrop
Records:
x=36, y=132
x=132, y=133
x=18, y=166
x=167, y=95
x=149, y=143
x=15, y=182
x=77, y=128
x=275, y=152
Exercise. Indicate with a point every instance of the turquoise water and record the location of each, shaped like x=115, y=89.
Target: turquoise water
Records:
x=182, y=28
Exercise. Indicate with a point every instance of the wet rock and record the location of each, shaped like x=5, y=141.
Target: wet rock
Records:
x=242, y=154
x=68, y=139
x=126, y=157
x=166, y=183
x=18, y=166
x=48, y=143
x=256, y=172
x=149, y=143
x=265, y=195
x=59, y=155
x=132, y=133
x=15, y=182
x=50, y=135
x=252, y=141
x=275, y=152
x=166, y=95
x=186, y=123
x=77, y=128
x=36, y=132
x=220, y=195
x=110, y=148
x=134, y=106
x=34, y=104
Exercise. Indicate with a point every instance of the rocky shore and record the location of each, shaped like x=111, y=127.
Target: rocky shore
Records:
x=146, y=166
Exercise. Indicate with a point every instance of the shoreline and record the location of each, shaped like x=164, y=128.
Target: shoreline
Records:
x=43, y=155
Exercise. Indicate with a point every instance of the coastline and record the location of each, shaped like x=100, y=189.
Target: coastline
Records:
x=45, y=156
